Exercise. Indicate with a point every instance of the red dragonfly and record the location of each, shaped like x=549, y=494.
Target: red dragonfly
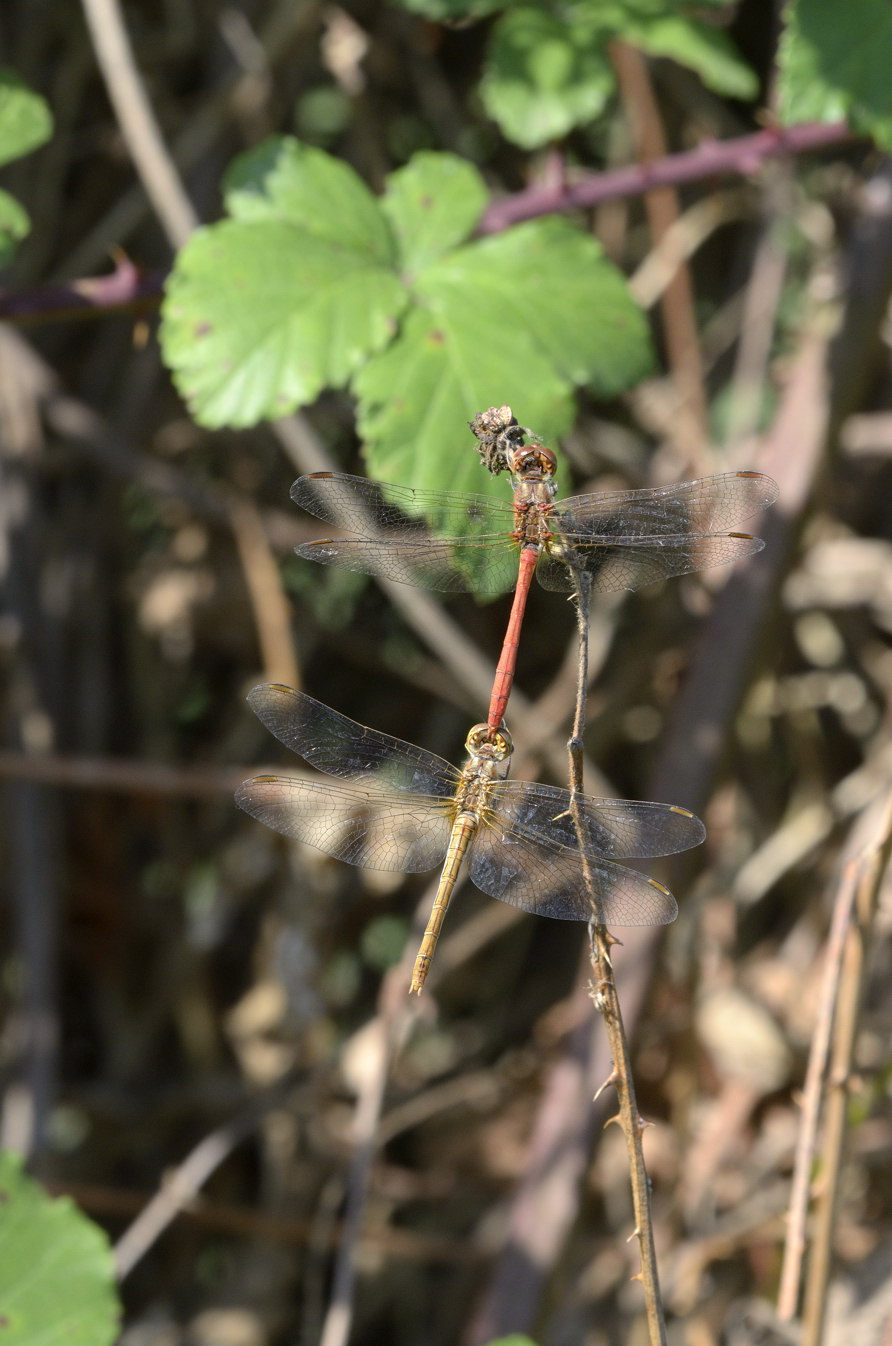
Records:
x=405, y=809
x=449, y=541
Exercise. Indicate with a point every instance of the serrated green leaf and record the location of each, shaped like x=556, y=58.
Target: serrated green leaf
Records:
x=705, y=50
x=519, y=318
x=260, y=316
x=14, y=225
x=285, y=180
x=25, y=118
x=555, y=284
x=545, y=74
x=834, y=67
x=56, y=1270
x=433, y=204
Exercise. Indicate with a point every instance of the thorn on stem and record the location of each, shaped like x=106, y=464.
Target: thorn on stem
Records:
x=611, y=1079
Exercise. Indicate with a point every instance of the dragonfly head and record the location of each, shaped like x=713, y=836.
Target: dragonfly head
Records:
x=494, y=745
x=532, y=462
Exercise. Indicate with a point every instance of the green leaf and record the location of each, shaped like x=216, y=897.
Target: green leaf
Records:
x=14, y=225
x=266, y=309
x=291, y=296
x=545, y=74
x=518, y=318
x=705, y=50
x=834, y=65
x=56, y=1269
x=260, y=316
x=285, y=180
x=555, y=284
x=433, y=204
x=25, y=118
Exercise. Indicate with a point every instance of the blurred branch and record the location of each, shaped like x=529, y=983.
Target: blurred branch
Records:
x=852, y=927
x=272, y=615
x=126, y=289
x=122, y=775
x=136, y=119
x=180, y=1186
x=691, y=423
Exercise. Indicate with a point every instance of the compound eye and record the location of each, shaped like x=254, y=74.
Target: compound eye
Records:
x=547, y=457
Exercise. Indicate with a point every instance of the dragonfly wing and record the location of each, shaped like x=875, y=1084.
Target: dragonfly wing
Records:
x=376, y=829
x=549, y=880
x=611, y=828
x=406, y=535
x=708, y=505
x=445, y=564
x=355, y=503
x=341, y=747
x=627, y=539
x=631, y=563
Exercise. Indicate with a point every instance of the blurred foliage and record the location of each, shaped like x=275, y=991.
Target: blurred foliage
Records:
x=25, y=123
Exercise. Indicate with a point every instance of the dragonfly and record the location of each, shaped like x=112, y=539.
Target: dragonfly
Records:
x=407, y=810
x=615, y=540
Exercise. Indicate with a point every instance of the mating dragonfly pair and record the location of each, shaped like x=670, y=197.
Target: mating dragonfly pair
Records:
x=534, y=846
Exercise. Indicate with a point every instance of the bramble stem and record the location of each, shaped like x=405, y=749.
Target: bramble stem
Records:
x=712, y=158
x=604, y=997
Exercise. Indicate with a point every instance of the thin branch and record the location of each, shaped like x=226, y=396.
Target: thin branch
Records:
x=605, y=998
x=711, y=159
x=137, y=121
x=691, y=427
x=272, y=614
x=125, y=289
x=800, y=1192
x=179, y=1187
x=871, y=869
x=123, y=775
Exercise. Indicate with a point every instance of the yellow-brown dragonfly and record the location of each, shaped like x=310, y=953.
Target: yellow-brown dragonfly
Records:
x=407, y=810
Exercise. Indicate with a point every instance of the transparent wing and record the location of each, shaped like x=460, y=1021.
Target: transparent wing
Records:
x=341, y=747
x=376, y=829
x=626, y=539
x=405, y=535
x=548, y=880
x=611, y=828
x=626, y=563
x=445, y=564
x=708, y=505
x=355, y=504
